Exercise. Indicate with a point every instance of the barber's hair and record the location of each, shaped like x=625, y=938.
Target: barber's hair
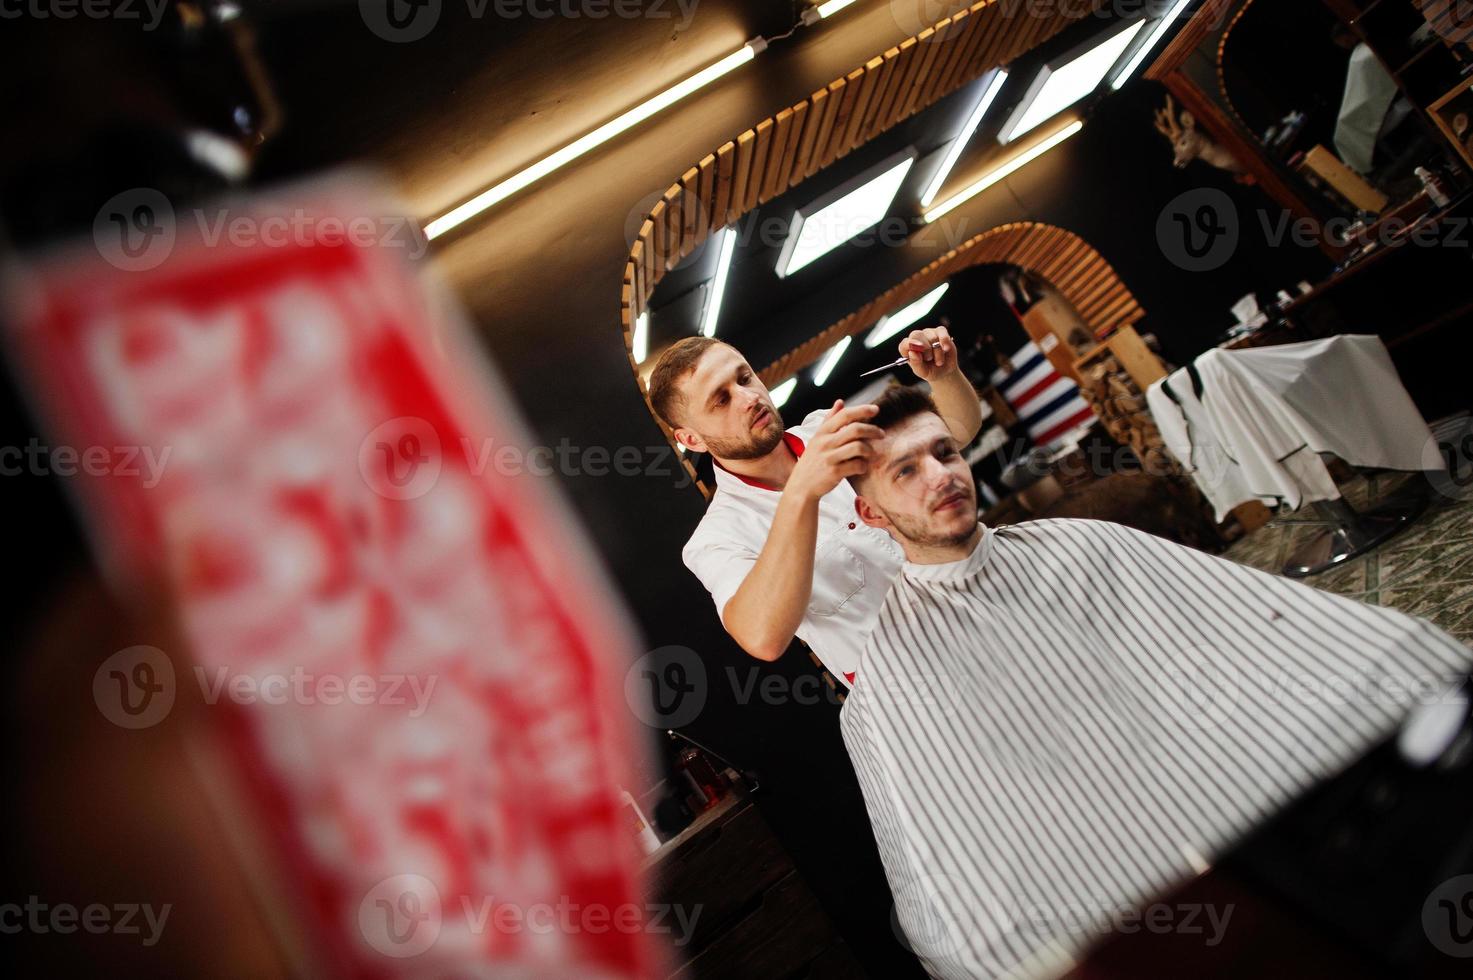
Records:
x=898, y=404
x=677, y=361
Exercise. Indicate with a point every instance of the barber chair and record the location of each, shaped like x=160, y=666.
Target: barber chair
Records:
x=1349, y=533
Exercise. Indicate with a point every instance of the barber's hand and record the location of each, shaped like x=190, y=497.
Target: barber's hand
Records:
x=840, y=448
x=930, y=363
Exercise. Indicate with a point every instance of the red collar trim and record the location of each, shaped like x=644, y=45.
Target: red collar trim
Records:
x=793, y=443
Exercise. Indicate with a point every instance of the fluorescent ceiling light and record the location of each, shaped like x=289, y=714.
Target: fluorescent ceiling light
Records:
x=832, y=7
x=830, y=361
x=717, y=289
x=783, y=392
x=1028, y=155
x=954, y=152
x=633, y=117
x=1055, y=89
x=889, y=326
x=640, y=347
x=1159, y=31
x=831, y=221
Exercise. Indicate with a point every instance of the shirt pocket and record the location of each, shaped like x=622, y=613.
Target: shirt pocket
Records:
x=838, y=575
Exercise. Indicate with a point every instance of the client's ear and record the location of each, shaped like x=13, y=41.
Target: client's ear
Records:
x=690, y=440
x=870, y=514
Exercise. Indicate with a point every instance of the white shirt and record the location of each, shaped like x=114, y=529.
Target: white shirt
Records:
x=1074, y=719
x=853, y=563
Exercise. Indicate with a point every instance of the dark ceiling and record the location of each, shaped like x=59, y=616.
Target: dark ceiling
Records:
x=765, y=315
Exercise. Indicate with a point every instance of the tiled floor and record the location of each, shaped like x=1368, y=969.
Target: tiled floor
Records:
x=1427, y=570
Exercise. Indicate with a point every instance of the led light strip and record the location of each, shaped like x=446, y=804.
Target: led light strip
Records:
x=954, y=152
x=499, y=192
x=829, y=362
x=639, y=346
x=783, y=392
x=718, y=282
x=1156, y=34
x=992, y=177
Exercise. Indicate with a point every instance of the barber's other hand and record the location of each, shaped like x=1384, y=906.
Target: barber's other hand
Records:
x=930, y=363
x=840, y=448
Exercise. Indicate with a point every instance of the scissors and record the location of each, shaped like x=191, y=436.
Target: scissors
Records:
x=895, y=363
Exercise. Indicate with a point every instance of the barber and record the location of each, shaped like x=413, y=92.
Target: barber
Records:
x=780, y=548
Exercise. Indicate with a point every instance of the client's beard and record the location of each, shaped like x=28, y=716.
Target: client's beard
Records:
x=917, y=533
x=749, y=448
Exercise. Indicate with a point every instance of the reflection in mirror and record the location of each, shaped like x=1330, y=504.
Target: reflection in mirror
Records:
x=1322, y=102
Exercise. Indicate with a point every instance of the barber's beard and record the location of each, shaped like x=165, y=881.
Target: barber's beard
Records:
x=752, y=447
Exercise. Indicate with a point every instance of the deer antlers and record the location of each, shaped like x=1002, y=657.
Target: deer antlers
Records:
x=1166, y=123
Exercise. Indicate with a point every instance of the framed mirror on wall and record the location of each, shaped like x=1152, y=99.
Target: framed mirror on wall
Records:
x=1342, y=111
x=1330, y=90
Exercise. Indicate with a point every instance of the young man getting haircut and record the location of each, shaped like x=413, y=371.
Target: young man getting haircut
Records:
x=1060, y=720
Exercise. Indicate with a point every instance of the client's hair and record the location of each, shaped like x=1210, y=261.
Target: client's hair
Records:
x=896, y=405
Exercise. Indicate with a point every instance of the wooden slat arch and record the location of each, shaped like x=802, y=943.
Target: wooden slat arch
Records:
x=1079, y=272
x=780, y=152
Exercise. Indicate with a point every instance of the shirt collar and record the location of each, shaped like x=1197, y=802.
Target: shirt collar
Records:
x=793, y=443
x=954, y=571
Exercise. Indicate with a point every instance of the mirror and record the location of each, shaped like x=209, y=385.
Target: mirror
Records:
x=1322, y=103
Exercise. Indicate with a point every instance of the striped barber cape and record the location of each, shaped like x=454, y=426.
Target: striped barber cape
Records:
x=1037, y=758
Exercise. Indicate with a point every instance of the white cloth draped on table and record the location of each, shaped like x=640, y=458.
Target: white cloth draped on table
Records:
x=1264, y=415
x=1038, y=757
